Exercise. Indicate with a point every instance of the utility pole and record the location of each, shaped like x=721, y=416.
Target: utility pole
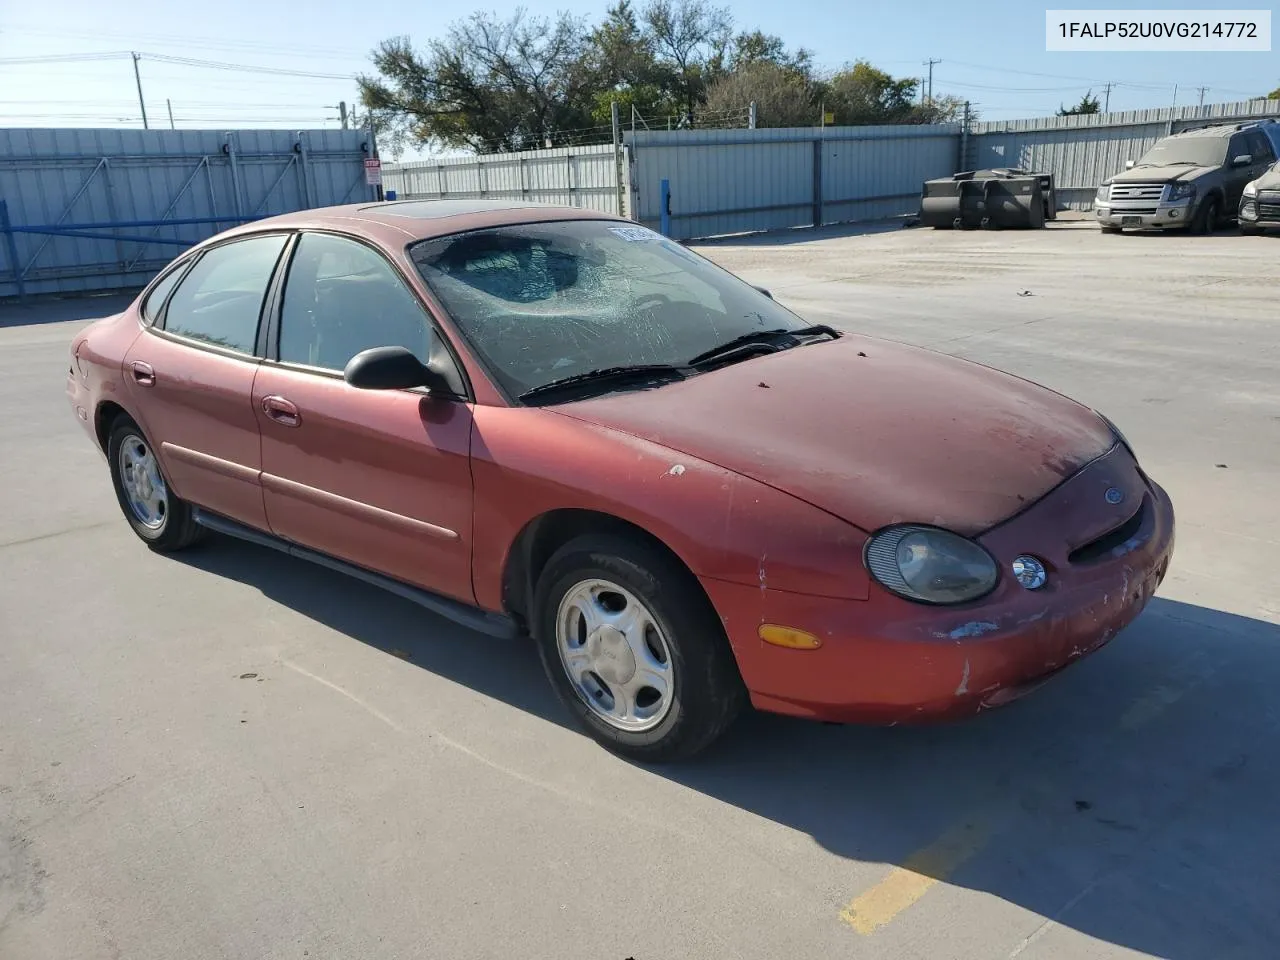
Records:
x=342, y=112
x=929, y=63
x=138, y=79
x=751, y=116
x=1175, y=95
x=1106, y=94
x=169, y=103
x=1202, y=91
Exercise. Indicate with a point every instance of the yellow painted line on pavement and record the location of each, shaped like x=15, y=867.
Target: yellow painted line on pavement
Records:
x=906, y=884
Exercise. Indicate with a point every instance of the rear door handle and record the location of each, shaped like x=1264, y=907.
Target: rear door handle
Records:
x=144, y=373
x=281, y=411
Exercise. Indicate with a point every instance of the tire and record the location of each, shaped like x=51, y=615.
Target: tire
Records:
x=599, y=671
x=160, y=519
x=1104, y=228
x=1207, y=216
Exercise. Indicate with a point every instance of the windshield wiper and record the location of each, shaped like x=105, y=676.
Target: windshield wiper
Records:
x=765, y=339
x=637, y=373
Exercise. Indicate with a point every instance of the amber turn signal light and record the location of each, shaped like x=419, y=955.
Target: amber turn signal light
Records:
x=788, y=637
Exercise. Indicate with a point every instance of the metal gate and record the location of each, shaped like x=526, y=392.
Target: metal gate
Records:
x=95, y=210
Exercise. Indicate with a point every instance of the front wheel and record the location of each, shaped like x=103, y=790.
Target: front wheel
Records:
x=1207, y=217
x=163, y=521
x=634, y=649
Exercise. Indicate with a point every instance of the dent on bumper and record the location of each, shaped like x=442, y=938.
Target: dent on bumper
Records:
x=885, y=660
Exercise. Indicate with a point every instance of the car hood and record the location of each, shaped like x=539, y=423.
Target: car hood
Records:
x=1161, y=174
x=872, y=431
x=1269, y=180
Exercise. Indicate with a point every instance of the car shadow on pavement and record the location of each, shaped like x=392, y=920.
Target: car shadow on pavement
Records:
x=1133, y=798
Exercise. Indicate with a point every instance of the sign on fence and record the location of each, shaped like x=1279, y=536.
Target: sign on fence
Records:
x=373, y=172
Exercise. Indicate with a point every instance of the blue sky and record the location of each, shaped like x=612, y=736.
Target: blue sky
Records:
x=991, y=53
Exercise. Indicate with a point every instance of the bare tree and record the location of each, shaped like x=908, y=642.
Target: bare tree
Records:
x=783, y=98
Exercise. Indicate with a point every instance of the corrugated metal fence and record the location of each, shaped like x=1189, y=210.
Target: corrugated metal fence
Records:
x=737, y=181
x=93, y=210
x=570, y=176
x=1083, y=151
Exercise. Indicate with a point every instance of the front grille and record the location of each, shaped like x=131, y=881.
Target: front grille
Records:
x=1121, y=211
x=1137, y=191
x=1116, y=536
x=1269, y=211
x=1269, y=196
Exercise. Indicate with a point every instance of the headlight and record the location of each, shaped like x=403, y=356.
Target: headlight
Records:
x=1182, y=191
x=930, y=564
x=1251, y=189
x=1104, y=193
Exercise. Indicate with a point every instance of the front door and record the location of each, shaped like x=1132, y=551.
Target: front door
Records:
x=381, y=479
x=190, y=376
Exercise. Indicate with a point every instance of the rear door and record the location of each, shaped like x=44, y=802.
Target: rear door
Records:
x=190, y=376
x=381, y=479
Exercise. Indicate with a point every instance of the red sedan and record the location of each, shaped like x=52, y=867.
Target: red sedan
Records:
x=553, y=422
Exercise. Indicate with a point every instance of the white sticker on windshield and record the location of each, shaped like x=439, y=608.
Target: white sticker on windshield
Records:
x=633, y=234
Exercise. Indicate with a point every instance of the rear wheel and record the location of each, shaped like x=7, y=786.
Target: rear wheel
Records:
x=634, y=649
x=163, y=521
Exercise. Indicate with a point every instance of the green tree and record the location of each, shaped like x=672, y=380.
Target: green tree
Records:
x=488, y=85
x=691, y=40
x=1088, y=104
x=863, y=94
x=625, y=69
x=1274, y=94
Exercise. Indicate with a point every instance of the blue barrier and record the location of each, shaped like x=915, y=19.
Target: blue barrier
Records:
x=85, y=231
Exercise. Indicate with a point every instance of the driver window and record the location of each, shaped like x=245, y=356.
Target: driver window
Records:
x=341, y=298
x=1239, y=146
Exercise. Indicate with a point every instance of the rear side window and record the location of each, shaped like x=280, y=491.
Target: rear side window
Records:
x=154, y=303
x=220, y=298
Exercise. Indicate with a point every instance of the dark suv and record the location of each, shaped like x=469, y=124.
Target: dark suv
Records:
x=1189, y=180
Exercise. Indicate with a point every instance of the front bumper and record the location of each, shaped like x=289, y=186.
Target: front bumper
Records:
x=887, y=660
x=1166, y=216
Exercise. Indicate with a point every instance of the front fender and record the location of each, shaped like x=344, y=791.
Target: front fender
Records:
x=528, y=462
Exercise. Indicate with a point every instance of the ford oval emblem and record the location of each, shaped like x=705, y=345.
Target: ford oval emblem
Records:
x=1114, y=495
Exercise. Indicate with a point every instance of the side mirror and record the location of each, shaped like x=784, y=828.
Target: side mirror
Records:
x=392, y=368
x=1243, y=160
x=764, y=291
x=1128, y=164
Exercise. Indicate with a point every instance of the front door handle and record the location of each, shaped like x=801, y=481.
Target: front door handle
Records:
x=143, y=373
x=281, y=411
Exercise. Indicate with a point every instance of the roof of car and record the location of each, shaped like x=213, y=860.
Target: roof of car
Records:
x=1224, y=129
x=400, y=221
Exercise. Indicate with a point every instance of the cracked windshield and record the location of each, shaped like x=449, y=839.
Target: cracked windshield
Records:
x=542, y=302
